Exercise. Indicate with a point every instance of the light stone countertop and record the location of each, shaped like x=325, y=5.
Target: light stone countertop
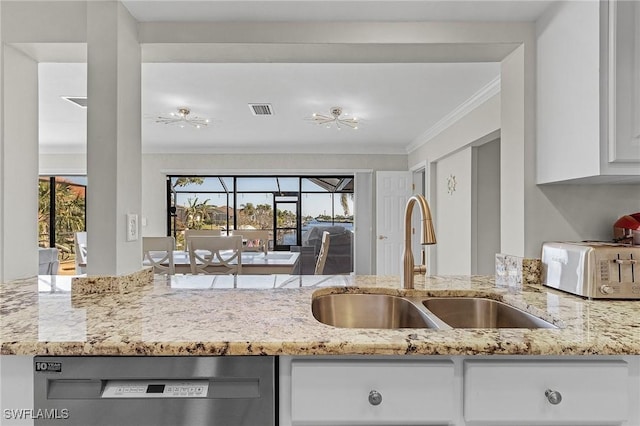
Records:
x=271, y=315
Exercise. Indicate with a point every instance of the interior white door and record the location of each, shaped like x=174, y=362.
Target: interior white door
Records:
x=393, y=189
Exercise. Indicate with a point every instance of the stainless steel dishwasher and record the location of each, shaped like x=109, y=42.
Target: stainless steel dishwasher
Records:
x=155, y=391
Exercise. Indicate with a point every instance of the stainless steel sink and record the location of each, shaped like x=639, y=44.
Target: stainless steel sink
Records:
x=478, y=312
x=369, y=311
x=360, y=310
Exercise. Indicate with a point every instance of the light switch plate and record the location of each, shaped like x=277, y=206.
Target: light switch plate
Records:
x=132, y=227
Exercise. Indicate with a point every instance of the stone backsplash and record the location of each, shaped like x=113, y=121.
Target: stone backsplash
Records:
x=515, y=271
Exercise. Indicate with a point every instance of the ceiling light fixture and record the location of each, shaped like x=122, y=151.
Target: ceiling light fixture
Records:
x=182, y=119
x=336, y=113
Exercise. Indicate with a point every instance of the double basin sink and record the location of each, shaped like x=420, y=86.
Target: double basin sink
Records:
x=360, y=310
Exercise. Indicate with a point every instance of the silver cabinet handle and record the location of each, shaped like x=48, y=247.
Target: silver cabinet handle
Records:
x=554, y=397
x=375, y=398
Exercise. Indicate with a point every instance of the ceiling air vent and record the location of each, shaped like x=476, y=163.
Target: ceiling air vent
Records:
x=261, y=109
x=77, y=100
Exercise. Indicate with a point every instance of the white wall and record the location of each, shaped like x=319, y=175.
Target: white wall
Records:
x=453, y=226
x=20, y=166
x=364, y=236
x=478, y=123
x=63, y=164
x=586, y=212
x=485, y=217
x=481, y=124
x=515, y=167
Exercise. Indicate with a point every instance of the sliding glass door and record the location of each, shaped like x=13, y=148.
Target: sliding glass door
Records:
x=291, y=208
x=287, y=222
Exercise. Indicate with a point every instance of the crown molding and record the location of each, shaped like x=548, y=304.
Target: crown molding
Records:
x=488, y=91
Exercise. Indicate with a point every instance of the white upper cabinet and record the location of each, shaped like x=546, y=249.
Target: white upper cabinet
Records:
x=624, y=88
x=588, y=92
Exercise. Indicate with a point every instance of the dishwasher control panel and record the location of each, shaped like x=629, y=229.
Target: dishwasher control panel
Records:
x=155, y=389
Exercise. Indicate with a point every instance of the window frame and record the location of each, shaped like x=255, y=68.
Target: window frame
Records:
x=345, y=184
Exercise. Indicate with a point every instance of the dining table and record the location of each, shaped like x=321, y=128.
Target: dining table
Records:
x=253, y=262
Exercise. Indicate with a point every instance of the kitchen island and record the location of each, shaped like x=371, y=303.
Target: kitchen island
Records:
x=585, y=371
x=271, y=315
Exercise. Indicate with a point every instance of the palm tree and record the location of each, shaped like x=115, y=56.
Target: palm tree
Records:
x=264, y=216
x=69, y=211
x=196, y=213
x=184, y=181
x=44, y=208
x=344, y=203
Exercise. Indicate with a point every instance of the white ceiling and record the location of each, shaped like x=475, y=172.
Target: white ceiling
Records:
x=336, y=10
x=396, y=102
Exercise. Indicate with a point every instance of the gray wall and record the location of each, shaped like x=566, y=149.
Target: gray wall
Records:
x=485, y=238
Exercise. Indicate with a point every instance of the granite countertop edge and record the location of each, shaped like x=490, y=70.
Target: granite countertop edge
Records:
x=160, y=320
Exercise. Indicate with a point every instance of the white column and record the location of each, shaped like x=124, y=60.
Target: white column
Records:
x=364, y=241
x=19, y=168
x=113, y=139
x=512, y=154
x=2, y=250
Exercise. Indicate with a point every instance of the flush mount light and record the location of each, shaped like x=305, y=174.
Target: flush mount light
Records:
x=337, y=118
x=183, y=118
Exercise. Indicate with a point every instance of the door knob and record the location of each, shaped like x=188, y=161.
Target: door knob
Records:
x=375, y=398
x=382, y=237
x=554, y=397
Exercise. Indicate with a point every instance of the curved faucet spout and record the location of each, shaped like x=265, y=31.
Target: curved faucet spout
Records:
x=428, y=236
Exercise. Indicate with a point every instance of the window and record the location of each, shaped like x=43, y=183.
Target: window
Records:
x=61, y=213
x=286, y=206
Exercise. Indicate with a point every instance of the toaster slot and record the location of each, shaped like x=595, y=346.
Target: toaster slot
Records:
x=626, y=268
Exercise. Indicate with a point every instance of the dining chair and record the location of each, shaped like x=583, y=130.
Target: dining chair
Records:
x=158, y=253
x=216, y=255
x=189, y=233
x=48, y=262
x=80, y=245
x=323, y=254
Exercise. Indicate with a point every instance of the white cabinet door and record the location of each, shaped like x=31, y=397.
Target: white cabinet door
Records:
x=588, y=92
x=520, y=393
x=624, y=87
x=363, y=392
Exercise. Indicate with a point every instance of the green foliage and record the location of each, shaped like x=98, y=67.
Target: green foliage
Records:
x=286, y=219
x=69, y=212
x=184, y=181
x=196, y=214
x=259, y=216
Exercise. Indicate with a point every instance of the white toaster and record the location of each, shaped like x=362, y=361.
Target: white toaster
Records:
x=596, y=270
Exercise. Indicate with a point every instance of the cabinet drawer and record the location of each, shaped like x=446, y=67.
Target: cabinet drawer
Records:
x=513, y=393
x=337, y=392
